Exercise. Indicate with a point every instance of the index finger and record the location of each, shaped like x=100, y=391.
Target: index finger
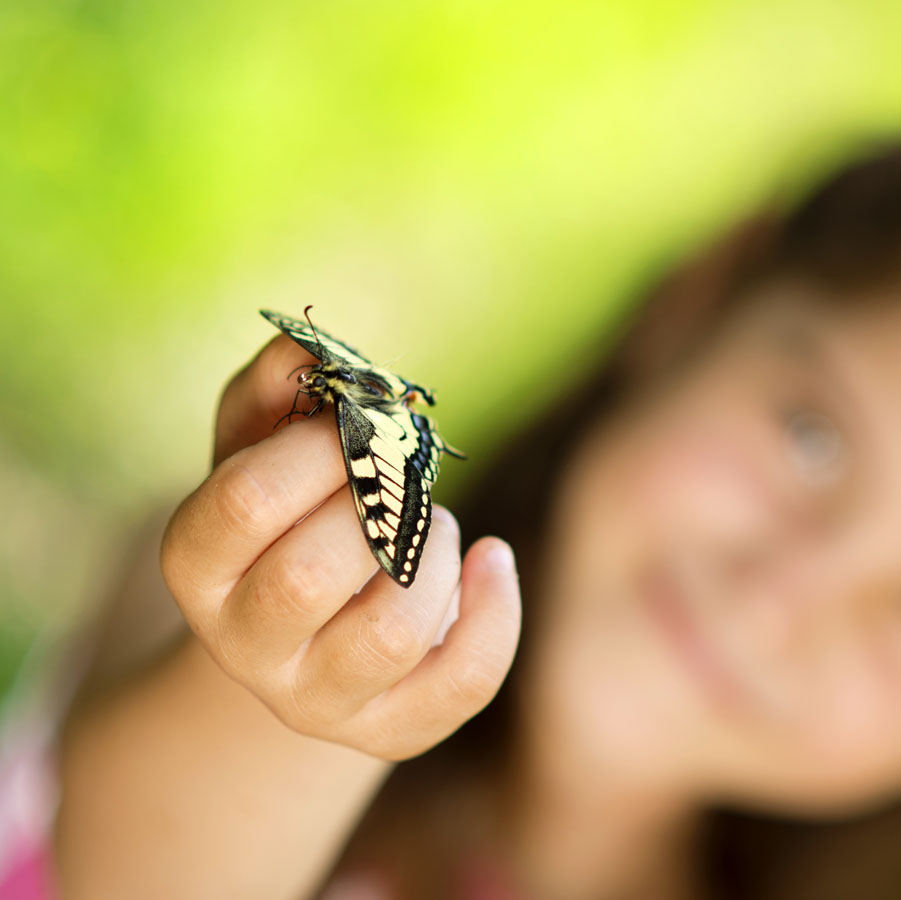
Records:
x=258, y=396
x=248, y=502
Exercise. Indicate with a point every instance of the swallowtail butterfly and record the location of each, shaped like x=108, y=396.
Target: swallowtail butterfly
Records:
x=390, y=451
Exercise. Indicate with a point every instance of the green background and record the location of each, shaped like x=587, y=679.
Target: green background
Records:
x=472, y=189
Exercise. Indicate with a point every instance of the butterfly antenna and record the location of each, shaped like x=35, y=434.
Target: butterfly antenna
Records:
x=393, y=362
x=306, y=314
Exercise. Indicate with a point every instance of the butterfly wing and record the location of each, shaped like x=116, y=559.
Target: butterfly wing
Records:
x=391, y=452
x=330, y=350
x=392, y=461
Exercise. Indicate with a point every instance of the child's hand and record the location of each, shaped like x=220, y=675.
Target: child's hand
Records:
x=266, y=557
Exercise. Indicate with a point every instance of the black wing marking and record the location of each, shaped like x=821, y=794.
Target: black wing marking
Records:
x=392, y=460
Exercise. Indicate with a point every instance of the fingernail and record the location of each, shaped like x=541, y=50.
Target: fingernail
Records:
x=500, y=558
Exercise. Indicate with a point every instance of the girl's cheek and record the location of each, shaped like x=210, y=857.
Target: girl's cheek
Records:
x=699, y=482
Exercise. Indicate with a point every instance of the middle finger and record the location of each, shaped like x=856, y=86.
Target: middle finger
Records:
x=298, y=584
x=248, y=503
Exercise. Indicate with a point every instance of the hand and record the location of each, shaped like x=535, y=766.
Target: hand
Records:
x=270, y=567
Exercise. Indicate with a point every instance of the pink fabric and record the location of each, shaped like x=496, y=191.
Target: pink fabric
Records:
x=27, y=877
x=27, y=804
x=484, y=879
x=478, y=879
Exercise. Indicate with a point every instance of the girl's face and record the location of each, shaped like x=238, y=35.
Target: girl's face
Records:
x=724, y=586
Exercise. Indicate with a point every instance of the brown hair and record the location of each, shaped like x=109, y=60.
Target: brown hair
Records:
x=844, y=238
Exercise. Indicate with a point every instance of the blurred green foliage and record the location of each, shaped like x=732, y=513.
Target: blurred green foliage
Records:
x=475, y=188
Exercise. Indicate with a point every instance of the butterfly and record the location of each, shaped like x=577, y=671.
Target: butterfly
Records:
x=390, y=451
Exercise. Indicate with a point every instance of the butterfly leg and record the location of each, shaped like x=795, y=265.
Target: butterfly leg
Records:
x=294, y=411
x=315, y=409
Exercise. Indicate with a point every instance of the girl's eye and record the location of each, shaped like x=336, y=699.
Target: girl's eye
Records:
x=815, y=446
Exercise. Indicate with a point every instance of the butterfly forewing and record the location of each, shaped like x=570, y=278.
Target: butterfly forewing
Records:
x=328, y=349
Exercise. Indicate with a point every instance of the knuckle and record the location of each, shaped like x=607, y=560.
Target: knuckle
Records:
x=391, y=642
x=313, y=705
x=296, y=585
x=242, y=504
x=231, y=652
x=293, y=711
x=293, y=718
x=240, y=655
x=472, y=685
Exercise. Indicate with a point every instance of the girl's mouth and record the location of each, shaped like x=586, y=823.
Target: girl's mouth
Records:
x=664, y=600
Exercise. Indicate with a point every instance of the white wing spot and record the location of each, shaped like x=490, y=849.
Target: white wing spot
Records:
x=420, y=525
x=390, y=551
x=391, y=502
x=363, y=468
x=404, y=577
x=372, y=529
x=423, y=512
x=416, y=539
x=411, y=553
x=408, y=567
x=370, y=499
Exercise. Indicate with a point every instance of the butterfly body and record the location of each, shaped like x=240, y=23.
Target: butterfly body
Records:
x=391, y=452
x=327, y=382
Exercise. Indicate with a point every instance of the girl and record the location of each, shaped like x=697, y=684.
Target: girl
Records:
x=707, y=533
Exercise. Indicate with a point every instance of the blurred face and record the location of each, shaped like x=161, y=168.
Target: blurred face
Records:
x=723, y=609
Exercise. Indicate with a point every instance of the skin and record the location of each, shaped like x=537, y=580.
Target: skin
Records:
x=236, y=764
x=719, y=621
x=757, y=493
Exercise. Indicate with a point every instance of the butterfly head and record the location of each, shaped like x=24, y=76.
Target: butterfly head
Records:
x=312, y=378
x=315, y=382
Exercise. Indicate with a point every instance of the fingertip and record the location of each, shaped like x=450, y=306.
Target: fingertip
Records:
x=499, y=558
x=493, y=555
x=490, y=578
x=258, y=396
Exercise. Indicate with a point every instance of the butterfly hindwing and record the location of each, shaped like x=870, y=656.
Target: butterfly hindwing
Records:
x=391, y=463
